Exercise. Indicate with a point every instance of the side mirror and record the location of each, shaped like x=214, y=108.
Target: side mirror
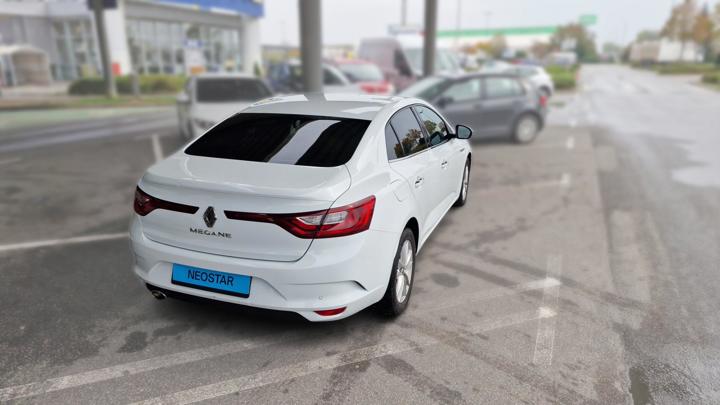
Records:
x=463, y=132
x=182, y=98
x=444, y=101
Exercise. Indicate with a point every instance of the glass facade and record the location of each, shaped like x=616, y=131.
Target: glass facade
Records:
x=76, y=48
x=160, y=46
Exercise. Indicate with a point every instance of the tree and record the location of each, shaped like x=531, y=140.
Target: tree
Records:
x=540, y=49
x=715, y=18
x=702, y=32
x=498, y=45
x=575, y=37
x=647, y=35
x=679, y=25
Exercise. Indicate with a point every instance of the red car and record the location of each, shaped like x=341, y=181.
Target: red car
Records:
x=367, y=75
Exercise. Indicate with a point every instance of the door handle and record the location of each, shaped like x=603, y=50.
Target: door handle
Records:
x=462, y=150
x=419, y=182
x=444, y=164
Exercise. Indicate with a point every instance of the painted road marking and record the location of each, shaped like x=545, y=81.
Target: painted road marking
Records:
x=412, y=340
x=570, y=143
x=565, y=180
x=156, y=147
x=176, y=359
x=122, y=370
x=9, y=161
x=545, y=340
x=58, y=242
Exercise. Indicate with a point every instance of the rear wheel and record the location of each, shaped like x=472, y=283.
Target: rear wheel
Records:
x=526, y=129
x=464, y=186
x=397, y=294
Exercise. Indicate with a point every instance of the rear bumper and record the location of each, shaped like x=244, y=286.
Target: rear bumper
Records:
x=350, y=272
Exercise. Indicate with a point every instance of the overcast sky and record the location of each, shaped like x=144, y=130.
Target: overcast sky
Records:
x=347, y=21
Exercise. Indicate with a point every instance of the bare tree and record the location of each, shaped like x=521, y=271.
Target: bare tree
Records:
x=703, y=32
x=679, y=25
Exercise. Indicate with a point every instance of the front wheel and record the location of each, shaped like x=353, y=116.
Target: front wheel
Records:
x=462, y=198
x=397, y=294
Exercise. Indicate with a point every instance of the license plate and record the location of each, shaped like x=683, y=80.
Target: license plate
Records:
x=211, y=280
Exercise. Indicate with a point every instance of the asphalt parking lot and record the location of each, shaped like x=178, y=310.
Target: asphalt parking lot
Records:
x=540, y=290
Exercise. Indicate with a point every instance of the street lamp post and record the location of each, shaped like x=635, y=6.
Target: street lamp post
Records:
x=430, y=37
x=98, y=10
x=311, y=45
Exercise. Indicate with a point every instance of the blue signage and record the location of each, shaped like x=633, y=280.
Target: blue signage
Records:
x=253, y=8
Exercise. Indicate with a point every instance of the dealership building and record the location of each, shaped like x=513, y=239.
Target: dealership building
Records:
x=145, y=36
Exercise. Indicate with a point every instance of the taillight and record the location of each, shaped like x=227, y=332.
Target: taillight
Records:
x=341, y=221
x=543, y=100
x=145, y=204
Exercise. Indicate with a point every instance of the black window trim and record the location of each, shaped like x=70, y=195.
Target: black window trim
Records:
x=397, y=139
x=422, y=128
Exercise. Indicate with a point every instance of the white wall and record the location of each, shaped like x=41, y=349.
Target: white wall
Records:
x=117, y=37
x=252, y=51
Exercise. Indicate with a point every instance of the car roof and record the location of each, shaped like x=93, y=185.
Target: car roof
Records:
x=358, y=106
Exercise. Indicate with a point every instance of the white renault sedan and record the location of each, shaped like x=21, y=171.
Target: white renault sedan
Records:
x=315, y=204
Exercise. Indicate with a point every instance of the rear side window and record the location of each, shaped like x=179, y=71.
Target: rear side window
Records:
x=282, y=138
x=392, y=144
x=501, y=87
x=408, y=131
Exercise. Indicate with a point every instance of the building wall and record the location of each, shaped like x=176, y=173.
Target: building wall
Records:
x=41, y=24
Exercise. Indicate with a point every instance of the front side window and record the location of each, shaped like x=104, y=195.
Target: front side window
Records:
x=466, y=90
x=434, y=125
x=282, y=138
x=408, y=131
x=502, y=87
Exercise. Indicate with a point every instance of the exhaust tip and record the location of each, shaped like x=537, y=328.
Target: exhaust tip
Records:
x=158, y=294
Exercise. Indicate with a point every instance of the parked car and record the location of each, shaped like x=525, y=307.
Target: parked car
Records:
x=537, y=76
x=315, y=205
x=366, y=74
x=286, y=77
x=209, y=98
x=401, y=62
x=494, y=105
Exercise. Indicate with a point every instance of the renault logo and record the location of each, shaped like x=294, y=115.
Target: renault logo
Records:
x=209, y=217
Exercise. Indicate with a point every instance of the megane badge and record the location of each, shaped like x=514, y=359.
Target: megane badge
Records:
x=209, y=217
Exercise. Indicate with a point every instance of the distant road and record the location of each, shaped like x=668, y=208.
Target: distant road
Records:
x=159, y=121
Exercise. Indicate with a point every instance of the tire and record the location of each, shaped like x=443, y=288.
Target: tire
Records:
x=526, y=129
x=397, y=297
x=464, y=186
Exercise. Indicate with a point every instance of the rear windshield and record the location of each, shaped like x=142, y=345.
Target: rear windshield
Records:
x=282, y=138
x=222, y=90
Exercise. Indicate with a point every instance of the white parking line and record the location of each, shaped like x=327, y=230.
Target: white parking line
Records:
x=176, y=359
x=156, y=147
x=412, y=339
x=565, y=180
x=121, y=370
x=57, y=242
x=545, y=340
x=9, y=161
x=570, y=143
